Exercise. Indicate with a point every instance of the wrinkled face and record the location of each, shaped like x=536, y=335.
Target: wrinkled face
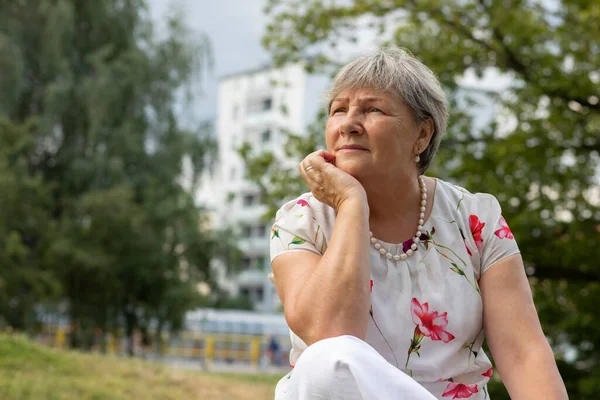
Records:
x=373, y=133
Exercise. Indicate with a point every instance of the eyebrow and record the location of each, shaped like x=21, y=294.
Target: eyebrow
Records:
x=362, y=100
x=371, y=99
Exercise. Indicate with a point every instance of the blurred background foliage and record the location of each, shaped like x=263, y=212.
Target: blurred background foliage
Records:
x=94, y=218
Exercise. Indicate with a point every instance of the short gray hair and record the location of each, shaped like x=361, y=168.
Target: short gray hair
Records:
x=398, y=72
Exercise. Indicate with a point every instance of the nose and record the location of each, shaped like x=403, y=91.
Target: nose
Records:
x=351, y=124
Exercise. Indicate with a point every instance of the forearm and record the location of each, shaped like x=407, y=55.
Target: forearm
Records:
x=534, y=376
x=335, y=298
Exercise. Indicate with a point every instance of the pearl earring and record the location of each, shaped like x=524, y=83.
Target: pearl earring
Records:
x=417, y=158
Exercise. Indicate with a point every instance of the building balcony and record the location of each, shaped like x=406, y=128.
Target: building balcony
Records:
x=252, y=278
x=249, y=214
x=254, y=245
x=260, y=118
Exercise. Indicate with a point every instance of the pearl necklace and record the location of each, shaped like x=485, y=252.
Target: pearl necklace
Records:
x=416, y=239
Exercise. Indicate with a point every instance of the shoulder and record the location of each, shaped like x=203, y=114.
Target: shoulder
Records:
x=304, y=200
x=305, y=216
x=303, y=223
x=306, y=205
x=478, y=216
x=459, y=200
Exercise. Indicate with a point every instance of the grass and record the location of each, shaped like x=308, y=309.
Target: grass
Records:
x=32, y=371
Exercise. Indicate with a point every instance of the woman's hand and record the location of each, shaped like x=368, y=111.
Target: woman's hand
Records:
x=329, y=184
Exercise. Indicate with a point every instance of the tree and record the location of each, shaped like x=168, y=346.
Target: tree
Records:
x=24, y=218
x=541, y=160
x=93, y=209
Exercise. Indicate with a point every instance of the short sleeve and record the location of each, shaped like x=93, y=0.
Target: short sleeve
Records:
x=297, y=228
x=498, y=240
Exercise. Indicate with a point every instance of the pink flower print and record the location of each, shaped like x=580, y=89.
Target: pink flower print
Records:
x=489, y=372
x=476, y=229
x=504, y=232
x=459, y=390
x=468, y=250
x=465, y=241
x=303, y=203
x=431, y=324
x=425, y=238
x=406, y=245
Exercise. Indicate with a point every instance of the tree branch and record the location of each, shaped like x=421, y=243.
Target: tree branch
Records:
x=513, y=63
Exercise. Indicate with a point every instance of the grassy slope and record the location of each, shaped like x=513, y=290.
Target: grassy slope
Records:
x=31, y=371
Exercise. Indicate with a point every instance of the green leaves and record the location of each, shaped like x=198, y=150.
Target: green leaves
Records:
x=94, y=212
x=297, y=240
x=456, y=269
x=275, y=233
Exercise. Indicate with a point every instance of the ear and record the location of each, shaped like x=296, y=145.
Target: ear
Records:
x=426, y=129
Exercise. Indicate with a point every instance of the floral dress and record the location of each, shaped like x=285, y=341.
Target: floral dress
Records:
x=426, y=315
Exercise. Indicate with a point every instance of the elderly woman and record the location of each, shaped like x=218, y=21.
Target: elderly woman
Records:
x=391, y=280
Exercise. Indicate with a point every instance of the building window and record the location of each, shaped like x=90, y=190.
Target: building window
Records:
x=244, y=292
x=265, y=136
x=255, y=231
x=250, y=200
x=260, y=294
x=246, y=263
x=232, y=173
x=261, y=230
x=259, y=104
x=236, y=110
x=267, y=104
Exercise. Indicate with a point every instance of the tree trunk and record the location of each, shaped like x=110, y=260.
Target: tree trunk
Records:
x=130, y=325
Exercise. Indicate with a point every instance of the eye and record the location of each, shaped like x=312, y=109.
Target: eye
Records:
x=338, y=110
x=375, y=109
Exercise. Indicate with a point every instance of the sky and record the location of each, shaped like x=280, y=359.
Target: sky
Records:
x=234, y=28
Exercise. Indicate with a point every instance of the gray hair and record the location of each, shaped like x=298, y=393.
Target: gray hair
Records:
x=398, y=72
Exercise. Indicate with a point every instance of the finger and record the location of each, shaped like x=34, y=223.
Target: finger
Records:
x=305, y=164
x=327, y=156
x=315, y=160
x=303, y=173
x=310, y=167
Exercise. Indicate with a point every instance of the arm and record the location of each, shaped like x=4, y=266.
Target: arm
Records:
x=512, y=329
x=329, y=296
x=326, y=296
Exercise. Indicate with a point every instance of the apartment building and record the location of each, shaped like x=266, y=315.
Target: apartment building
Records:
x=256, y=106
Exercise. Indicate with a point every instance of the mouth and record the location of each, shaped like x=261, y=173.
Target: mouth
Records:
x=352, y=147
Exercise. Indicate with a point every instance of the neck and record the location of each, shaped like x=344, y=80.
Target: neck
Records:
x=393, y=199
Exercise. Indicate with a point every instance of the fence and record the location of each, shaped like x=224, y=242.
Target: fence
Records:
x=189, y=345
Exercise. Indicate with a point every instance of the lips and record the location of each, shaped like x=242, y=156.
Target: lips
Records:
x=352, y=147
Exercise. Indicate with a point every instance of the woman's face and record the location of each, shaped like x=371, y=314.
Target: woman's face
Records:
x=373, y=133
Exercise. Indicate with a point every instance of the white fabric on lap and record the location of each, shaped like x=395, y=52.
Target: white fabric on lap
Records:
x=347, y=368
